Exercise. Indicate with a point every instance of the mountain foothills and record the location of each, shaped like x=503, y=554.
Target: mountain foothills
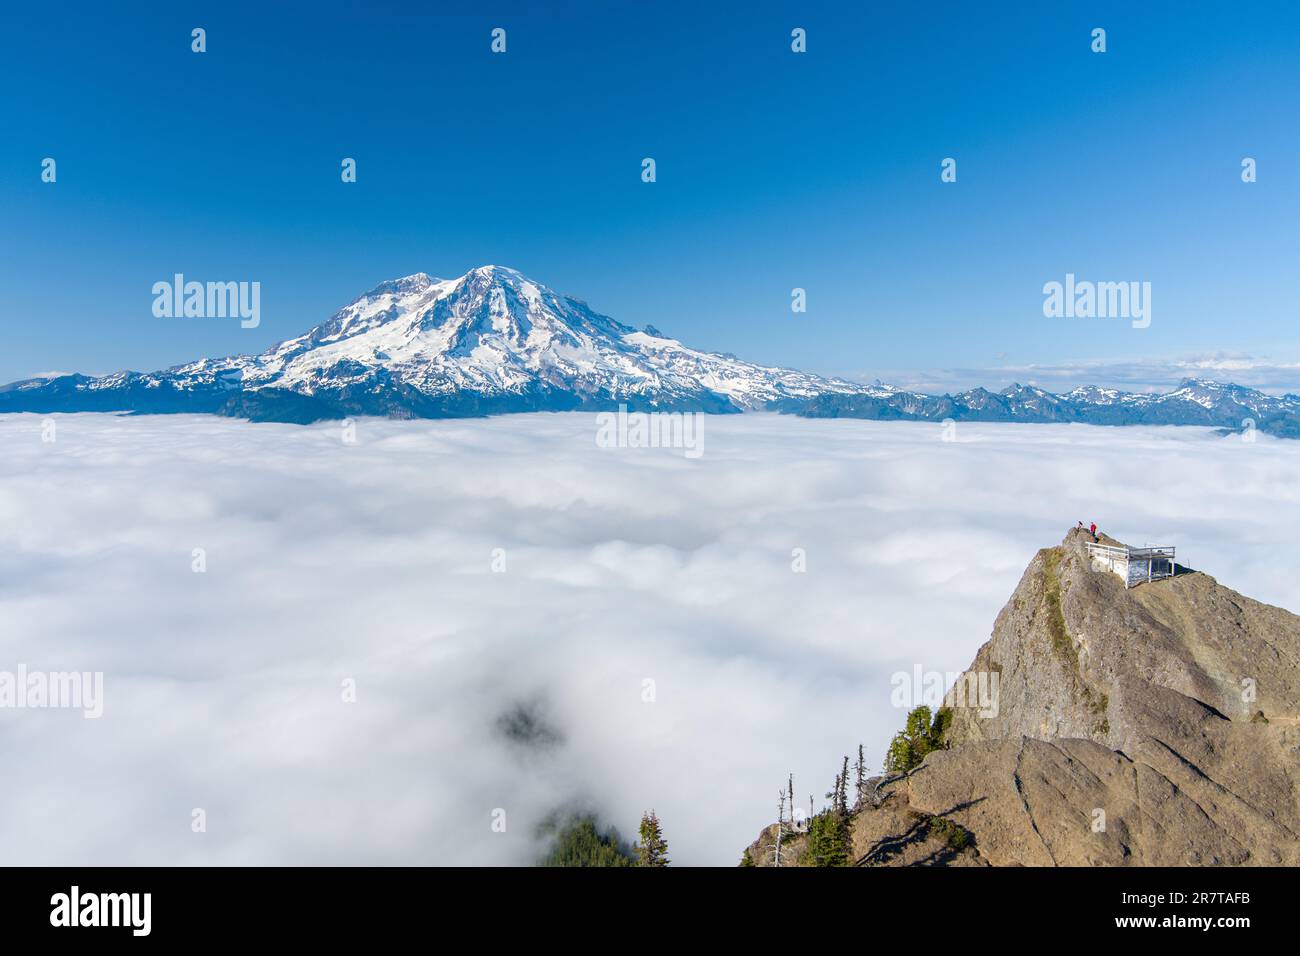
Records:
x=1153, y=725
x=494, y=341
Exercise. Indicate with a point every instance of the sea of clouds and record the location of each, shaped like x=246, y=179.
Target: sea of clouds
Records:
x=369, y=564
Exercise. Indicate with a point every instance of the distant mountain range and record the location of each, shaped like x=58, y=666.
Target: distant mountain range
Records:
x=494, y=341
x=1193, y=402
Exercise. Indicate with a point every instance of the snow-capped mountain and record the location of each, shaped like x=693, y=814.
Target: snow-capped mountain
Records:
x=494, y=341
x=490, y=341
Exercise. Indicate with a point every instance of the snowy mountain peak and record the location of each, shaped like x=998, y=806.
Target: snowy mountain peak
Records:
x=491, y=340
x=504, y=273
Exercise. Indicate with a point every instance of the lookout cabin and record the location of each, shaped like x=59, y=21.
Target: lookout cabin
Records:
x=1134, y=565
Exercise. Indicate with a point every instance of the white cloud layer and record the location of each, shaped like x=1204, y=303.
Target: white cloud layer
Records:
x=372, y=561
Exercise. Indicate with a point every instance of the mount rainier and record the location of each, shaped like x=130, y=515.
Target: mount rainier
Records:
x=491, y=341
x=494, y=341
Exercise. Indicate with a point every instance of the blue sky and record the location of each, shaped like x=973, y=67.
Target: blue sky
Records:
x=775, y=170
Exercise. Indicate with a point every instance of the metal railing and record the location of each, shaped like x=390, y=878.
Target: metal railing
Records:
x=1112, y=551
x=1136, y=559
x=1107, y=551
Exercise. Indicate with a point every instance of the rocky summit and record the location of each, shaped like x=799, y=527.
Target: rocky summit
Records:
x=1154, y=725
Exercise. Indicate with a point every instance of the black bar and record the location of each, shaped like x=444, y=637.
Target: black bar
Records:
x=547, y=906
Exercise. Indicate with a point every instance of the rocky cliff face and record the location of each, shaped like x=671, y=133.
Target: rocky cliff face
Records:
x=1155, y=725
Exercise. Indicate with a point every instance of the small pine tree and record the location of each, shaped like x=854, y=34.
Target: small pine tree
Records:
x=780, y=832
x=652, y=849
x=842, y=790
x=860, y=771
x=920, y=736
x=828, y=840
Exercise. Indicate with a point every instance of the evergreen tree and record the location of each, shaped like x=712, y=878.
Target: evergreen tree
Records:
x=828, y=840
x=920, y=736
x=652, y=850
x=842, y=791
x=580, y=842
x=860, y=770
x=780, y=832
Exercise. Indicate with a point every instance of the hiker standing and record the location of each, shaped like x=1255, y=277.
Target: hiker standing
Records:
x=1093, y=531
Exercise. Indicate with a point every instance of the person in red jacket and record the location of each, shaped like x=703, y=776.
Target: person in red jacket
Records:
x=1093, y=530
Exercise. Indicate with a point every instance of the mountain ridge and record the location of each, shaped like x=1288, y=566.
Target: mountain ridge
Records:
x=1193, y=402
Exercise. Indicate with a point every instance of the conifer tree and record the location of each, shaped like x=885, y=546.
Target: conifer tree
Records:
x=828, y=840
x=919, y=737
x=582, y=842
x=842, y=791
x=652, y=849
x=780, y=830
x=860, y=769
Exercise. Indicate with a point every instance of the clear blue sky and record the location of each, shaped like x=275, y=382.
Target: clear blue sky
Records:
x=775, y=170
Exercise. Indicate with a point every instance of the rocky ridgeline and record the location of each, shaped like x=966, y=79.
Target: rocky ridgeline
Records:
x=1155, y=725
